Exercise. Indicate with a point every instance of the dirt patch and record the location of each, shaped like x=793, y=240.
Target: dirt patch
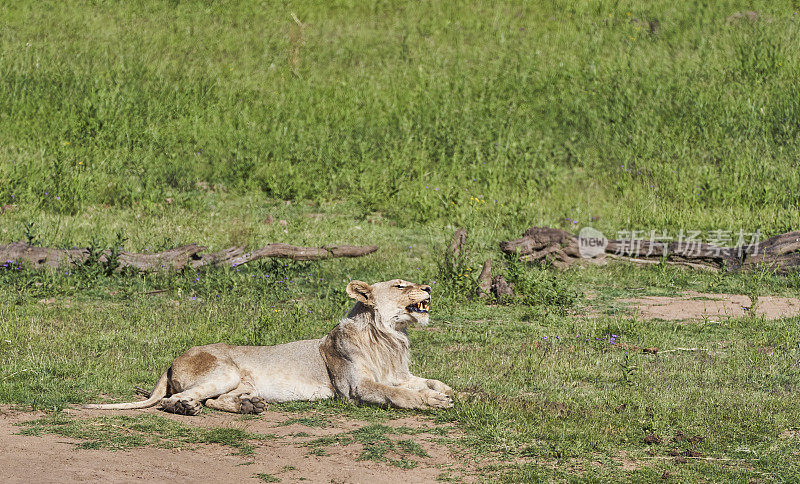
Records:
x=692, y=306
x=628, y=463
x=54, y=458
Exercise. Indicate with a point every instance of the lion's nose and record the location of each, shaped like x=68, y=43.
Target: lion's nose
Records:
x=426, y=289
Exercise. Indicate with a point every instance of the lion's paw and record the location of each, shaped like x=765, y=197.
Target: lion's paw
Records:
x=252, y=404
x=181, y=406
x=437, y=399
x=440, y=387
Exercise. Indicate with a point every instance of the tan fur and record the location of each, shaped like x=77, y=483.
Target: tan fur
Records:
x=364, y=358
x=201, y=363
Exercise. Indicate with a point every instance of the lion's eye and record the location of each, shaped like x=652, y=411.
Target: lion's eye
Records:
x=399, y=286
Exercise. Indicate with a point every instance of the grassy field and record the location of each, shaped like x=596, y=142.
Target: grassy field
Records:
x=150, y=124
x=548, y=110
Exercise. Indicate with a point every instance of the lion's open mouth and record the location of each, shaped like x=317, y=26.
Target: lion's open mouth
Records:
x=420, y=307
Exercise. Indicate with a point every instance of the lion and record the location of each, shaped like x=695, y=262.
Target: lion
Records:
x=364, y=358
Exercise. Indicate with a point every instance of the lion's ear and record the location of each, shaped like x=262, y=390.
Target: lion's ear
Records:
x=361, y=291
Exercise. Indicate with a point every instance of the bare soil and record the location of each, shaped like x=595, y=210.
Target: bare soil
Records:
x=693, y=306
x=53, y=458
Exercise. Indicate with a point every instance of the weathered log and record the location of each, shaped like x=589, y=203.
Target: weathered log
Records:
x=780, y=253
x=174, y=259
x=537, y=238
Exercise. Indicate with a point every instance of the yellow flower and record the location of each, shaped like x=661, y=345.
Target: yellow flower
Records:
x=66, y=143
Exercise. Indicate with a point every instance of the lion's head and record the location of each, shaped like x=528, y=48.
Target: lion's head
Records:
x=397, y=302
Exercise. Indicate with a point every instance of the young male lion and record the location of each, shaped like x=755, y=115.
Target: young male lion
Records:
x=364, y=358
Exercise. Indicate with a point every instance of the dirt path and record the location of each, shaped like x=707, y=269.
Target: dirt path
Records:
x=692, y=306
x=54, y=458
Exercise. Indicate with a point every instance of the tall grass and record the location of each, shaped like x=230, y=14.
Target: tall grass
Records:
x=548, y=111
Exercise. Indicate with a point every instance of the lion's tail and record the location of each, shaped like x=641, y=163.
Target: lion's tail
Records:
x=159, y=392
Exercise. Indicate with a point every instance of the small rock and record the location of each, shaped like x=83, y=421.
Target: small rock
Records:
x=283, y=222
x=652, y=439
x=650, y=26
x=500, y=287
x=747, y=15
x=768, y=350
x=269, y=219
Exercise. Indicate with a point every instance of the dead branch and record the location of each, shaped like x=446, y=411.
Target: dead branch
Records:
x=190, y=256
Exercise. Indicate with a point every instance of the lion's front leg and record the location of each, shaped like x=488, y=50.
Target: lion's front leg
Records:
x=401, y=396
x=419, y=383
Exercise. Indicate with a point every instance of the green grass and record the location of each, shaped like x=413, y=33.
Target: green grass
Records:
x=376, y=444
x=148, y=124
x=540, y=112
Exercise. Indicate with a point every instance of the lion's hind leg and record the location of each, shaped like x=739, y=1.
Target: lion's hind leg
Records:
x=189, y=402
x=198, y=376
x=238, y=401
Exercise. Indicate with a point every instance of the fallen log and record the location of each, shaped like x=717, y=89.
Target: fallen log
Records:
x=185, y=256
x=780, y=253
